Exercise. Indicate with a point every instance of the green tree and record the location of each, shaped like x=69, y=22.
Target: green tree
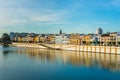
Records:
x=0, y=41
x=5, y=39
x=118, y=42
x=84, y=42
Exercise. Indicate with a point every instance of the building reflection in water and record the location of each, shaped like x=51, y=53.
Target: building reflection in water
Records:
x=101, y=60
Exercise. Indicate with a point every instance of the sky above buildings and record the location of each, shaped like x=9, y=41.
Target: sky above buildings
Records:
x=49, y=16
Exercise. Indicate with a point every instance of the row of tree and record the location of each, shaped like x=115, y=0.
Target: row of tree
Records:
x=5, y=39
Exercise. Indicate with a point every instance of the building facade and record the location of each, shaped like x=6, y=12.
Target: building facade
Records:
x=75, y=39
x=118, y=39
x=113, y=37
x=105, y=39
x=61, y=39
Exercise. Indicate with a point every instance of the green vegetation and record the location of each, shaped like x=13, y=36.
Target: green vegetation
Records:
x=5, y=40
x=119, y=43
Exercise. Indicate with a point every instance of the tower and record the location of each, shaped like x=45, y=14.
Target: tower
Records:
x=60, y=31
x=99, y=31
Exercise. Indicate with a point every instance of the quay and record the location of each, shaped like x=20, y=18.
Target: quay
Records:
x=85, y=48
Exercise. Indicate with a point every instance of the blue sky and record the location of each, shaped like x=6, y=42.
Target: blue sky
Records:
x=49, y=16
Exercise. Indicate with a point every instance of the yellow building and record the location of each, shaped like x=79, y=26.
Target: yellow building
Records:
x=87, y=39
x=19, y=39
x=36, y=39
x=75, y=39
x=42, y=39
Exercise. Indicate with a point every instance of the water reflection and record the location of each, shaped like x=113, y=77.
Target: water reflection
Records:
x=102, y=60
x=6, y=51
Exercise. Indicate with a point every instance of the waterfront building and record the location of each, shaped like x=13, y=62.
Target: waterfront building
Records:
x=16, y=37
x=75, y=39
x=98, y=39
x=65, y=40
x=12, y=36
x=24, y=39
x=37, y=39
x=118, y=39
x=81, y=38
x=105, y=39
x=88, y=39
x=19, y=38
x=61, y=38
x=94, y=39
x=43, y=38
x=58, y=39
x=48, y=39
x=30, y=38
x=51, y=39
x=113, y=37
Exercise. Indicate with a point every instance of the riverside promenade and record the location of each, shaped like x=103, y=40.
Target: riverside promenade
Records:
x=86, y=48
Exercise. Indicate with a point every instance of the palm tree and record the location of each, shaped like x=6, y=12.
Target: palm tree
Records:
x=5, y=39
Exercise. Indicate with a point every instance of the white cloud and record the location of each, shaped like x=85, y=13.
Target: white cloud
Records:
x=6, y=21
x=45, y=18
x=49, y=18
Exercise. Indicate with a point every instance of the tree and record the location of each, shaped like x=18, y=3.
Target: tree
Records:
x=0, y=41
x=5, y=39
x=84, y=42
x=101, y=43
x=118, y=42
x=98, y=42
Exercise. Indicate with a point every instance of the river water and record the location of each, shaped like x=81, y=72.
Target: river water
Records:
x=43, y=64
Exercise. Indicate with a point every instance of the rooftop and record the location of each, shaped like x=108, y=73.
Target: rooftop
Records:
x=105, y=35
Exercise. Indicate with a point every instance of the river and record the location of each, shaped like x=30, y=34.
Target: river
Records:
x=44, y=64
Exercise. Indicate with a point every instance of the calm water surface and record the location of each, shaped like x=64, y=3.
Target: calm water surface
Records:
x=41, y=64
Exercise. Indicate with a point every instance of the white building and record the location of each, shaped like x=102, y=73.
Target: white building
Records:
x=113, y=37
x=98, y=38
x=60, y=39
x=94, y=39
x=65, y=40
x=118, y=38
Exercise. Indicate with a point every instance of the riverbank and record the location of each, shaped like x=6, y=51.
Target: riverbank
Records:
x=28, y=45
x=86, y=48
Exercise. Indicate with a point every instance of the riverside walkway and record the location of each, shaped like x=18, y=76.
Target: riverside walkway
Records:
x=49, y=47
x=86, y=48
